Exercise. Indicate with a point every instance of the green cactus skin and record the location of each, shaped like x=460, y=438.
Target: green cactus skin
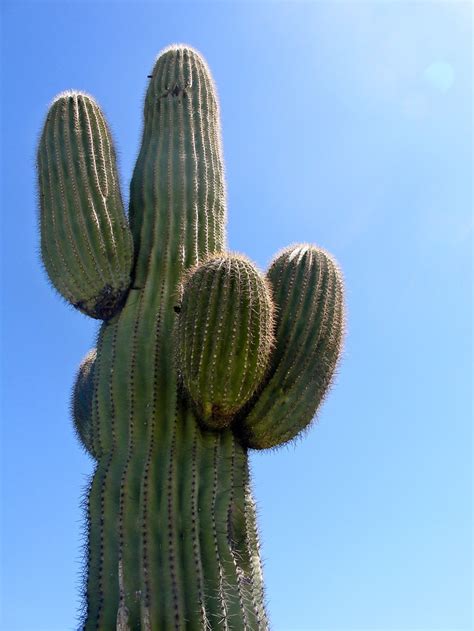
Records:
x=225, y=335
x=308, y=290
x=172, y=535
x=82, y=400
x=86, y=244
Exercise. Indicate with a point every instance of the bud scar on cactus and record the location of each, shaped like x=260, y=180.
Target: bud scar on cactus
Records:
x=199, y=356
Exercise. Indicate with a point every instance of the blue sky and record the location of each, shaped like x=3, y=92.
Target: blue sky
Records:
x=345, y=124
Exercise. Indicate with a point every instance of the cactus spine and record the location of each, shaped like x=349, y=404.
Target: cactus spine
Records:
x=191, y=367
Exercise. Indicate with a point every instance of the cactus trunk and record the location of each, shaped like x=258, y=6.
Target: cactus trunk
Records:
x=171, y=534
x=171, y=545
x=173, y=541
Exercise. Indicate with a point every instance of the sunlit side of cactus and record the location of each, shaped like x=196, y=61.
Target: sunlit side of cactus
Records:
x=199, y=357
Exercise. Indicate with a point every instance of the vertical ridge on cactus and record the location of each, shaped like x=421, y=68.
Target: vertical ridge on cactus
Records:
x=199, y=357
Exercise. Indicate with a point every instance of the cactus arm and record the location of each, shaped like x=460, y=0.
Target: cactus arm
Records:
x=82, y=401
x=307, y=287
x=224, y=335
x=86, y=244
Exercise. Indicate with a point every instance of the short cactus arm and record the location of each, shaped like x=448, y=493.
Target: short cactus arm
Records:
x=82, y=402
x=307, y=288
x=86, y=244
x=224, y=335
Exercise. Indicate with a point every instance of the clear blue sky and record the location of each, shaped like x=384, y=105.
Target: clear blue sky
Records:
x=345, y=124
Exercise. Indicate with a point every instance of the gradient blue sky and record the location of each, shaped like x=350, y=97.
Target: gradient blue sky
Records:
x=345, y=124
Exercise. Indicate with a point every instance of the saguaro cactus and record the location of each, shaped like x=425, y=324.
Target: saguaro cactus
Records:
x=199, y=357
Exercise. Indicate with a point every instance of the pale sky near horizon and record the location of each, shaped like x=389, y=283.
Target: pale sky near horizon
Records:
x=346, y=124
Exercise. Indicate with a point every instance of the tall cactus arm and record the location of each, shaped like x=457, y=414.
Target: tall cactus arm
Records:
x=86, y=244
x=82, y=401
x=308, y=293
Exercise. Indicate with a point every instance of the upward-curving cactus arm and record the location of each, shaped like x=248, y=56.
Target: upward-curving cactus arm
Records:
x=308, y=292
x=86, y=243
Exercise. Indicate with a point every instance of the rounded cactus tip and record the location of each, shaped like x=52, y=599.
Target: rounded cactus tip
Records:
x=176, y=68
x=298, y=251
x=225, y=335
x=174, y=50
x=66, y=95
